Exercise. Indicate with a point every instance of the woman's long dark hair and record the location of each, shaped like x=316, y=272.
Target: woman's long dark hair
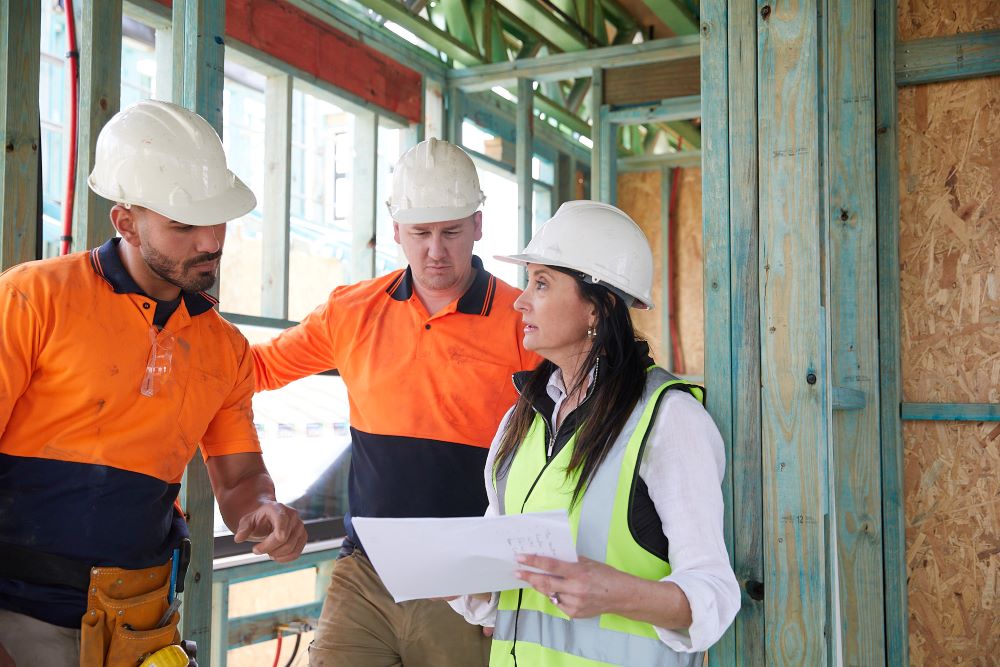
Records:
x=622, y=378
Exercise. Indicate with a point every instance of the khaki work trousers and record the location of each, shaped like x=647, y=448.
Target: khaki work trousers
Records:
x=361, y=626
x=34, y=643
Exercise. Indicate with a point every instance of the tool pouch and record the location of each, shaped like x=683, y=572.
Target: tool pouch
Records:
x=123, y=608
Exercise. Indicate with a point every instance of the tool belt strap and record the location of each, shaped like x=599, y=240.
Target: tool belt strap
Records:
x=43, y=569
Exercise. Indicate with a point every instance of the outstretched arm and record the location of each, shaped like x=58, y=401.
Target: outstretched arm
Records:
x=245, y=493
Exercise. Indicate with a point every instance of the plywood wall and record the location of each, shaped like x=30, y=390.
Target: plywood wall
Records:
x=689, y=259
x=939, y=18
x=639, y=195
x=949, y=155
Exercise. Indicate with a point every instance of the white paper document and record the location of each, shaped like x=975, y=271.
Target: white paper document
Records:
x=423, y=558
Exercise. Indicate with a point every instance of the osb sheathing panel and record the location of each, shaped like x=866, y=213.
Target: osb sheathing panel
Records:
x=689, y=261
x=949, y=154
x=952, y=504
x=639, y=195
x=939, y=18
x=949, y=245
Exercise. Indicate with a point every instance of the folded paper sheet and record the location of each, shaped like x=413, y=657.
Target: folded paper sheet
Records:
x=422, y=558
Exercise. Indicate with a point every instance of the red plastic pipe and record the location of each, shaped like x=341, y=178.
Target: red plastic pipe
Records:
x=73, y=57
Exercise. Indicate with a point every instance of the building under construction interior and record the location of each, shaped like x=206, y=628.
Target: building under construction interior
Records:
x=819, y=182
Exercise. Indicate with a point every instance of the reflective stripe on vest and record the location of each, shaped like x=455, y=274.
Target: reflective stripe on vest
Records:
x=543, y=634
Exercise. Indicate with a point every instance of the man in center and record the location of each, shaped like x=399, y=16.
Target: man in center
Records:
x=427, y=354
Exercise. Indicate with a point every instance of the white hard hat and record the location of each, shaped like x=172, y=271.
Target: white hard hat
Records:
x=434, y=181
x=598, y=240
x=168, y=159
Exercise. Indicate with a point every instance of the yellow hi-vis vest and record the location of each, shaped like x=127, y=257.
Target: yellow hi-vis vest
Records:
x=530, y=630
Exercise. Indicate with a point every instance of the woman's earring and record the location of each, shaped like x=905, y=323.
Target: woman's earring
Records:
x=591, y=332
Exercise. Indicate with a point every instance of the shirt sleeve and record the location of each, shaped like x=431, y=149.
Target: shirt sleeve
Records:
x=20, y=336
x=476, y=610
x=298, y=352
x=232, y=430
x=683, y=469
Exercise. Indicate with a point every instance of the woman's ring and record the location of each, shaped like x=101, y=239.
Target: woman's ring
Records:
x=555, y=599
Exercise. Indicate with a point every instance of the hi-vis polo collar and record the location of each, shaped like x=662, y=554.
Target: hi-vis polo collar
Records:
x=108, y=265
x=477, y=300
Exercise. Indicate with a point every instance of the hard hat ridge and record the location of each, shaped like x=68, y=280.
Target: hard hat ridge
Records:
x=435, y=181
x=598, y=240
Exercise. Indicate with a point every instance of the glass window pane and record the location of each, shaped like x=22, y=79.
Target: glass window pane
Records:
x=541, y=207
x=53, y=99
x=138, y=71
x=322, y=194
x=305, y=439
x=499, y=221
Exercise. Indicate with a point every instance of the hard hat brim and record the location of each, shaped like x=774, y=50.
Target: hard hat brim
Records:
x=429, y=215
x=524, y=259
x=234, y=203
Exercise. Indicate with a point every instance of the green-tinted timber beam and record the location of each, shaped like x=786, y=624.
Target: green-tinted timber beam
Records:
x=648, y=162
x=617, y=14
x=577, y=94
x=675, y=15
x=199, y=53
x=649, y=141
x=460, y=24
x=962, y=412
x=686, y=131
x=564, y=35
x=20, y=34
x=521, y=30
x=524, y=153
x=100, y=35
x=425, y=30
x=896, y=605
x=561, y=114
x=488, y=32
x=678, y=108
x=575, y=65
x=948, y=58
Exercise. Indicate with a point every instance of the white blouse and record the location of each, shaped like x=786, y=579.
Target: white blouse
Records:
x=683, y=465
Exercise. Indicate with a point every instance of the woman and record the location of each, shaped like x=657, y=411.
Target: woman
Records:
x=623, y=446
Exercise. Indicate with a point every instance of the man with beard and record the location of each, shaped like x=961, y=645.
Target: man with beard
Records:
x=115, y=369
x=427, y=354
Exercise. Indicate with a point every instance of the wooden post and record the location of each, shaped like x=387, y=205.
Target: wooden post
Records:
x=20, y=180
x=607, y=167
x=433, y=125
x=456, y=114
x=220, y=624
x=794, y=372
x=277, y=195
x=199, y=54
x=854, y=327
x=666, y=267
x=523, y=155
x=716, y=213
x=364, y=211
x=745, y=330
x=887, y=215
x=597, y=147
x=100, y=32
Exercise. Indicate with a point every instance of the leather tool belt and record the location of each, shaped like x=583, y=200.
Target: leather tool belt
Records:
x=124, y=621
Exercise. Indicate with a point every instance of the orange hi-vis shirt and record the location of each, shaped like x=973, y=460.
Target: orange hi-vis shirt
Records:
x=426, y=392
x=89, y=466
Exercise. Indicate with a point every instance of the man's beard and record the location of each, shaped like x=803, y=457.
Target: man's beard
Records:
x=176, y=273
